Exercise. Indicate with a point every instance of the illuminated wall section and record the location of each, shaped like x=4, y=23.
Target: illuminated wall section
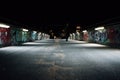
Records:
x=16, y=36
x=24, y=35
x=114, y=33
x=85, y=35
x=100, y=35
x=34, y=35
x=4, y=34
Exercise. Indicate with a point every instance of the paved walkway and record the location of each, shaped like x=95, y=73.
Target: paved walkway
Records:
x=59, y=60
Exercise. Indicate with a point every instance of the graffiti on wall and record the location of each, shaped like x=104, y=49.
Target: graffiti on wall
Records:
x=100, y=36
x=4, y=36
x=114, y=35
x=85, y=36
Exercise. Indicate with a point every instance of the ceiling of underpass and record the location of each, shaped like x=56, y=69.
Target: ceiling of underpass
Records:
x=43, y=16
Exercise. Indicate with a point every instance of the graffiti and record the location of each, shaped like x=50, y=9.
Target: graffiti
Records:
x=91, y=36
x=34, y=35
x=4, y=36
x=77, y=36
x=103, y=37
x=16, y=36
x=24, y=36
x=85, y=36
x=109, y=35
x=117, y=38
x=97, y=36
x=100, y=36
x=13, y=37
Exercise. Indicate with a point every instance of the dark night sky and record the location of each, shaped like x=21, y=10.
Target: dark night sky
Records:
x=39, y=15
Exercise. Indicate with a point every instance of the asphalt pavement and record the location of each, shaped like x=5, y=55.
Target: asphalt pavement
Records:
x=59, y=60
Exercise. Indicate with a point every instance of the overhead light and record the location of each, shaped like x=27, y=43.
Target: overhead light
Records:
x=99, y=28
x=84, y=31
x=25, y=29
x=4, y=25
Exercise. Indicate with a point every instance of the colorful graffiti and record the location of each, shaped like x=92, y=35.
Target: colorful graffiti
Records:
x=4, y=36
x=100, y=36
x=16, y=36
x=85, y=36
x=114, y=35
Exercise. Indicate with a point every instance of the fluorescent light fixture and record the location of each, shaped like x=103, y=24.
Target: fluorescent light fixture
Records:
x=84, y=31
x=25, y=29
x=99, y=28
x=4, y=25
